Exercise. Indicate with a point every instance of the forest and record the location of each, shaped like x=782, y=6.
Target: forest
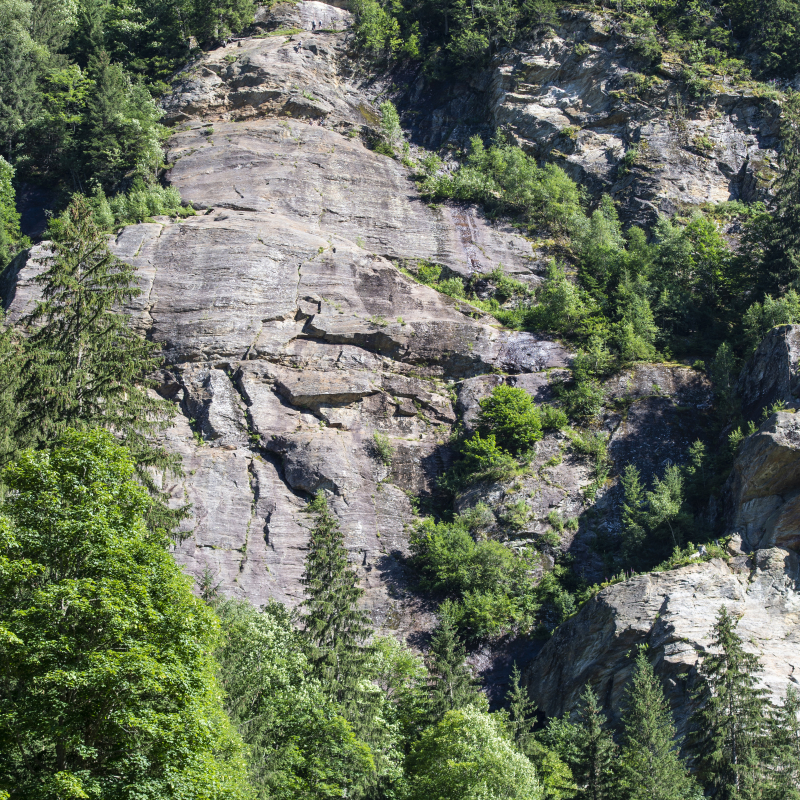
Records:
x=119, y=678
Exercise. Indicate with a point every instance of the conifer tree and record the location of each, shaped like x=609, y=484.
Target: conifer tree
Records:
x=633, y=515
x=729, y=724
x=453, y=686
x=785, y=749
x=521, y=710
x=84, y=364
x=335, y=629
x=554, y=773
x=651, y=766
x=595, y=751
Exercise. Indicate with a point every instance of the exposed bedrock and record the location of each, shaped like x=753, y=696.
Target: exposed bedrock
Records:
x=673, y=613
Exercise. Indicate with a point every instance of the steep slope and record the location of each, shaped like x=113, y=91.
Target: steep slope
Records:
x=291, y=336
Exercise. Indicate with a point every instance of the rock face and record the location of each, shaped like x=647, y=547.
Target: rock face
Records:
x=765, y=486
x=290, y=337
x=770, y=376
x=581, y=95
x=673, y=613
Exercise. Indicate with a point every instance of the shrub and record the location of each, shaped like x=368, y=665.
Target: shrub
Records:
x=142, y=201
x=382, y=448
x=390, y=124
x=511, y=417
x=480, y=455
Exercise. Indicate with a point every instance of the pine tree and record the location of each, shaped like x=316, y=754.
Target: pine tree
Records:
x=453, y=686
x=334, y=628
x=84, y=365
x=730, y=722
x=785, y=749
x=651, y=766
x=596, y=751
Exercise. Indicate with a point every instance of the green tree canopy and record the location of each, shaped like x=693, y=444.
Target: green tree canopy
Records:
x=107, y=683
x=84, y=363
x=300, y=744
x=468, y=755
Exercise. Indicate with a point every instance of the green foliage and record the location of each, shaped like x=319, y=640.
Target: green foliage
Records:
x=493, y=582
x=382, y=448
x=452, y=686
x=591, y=751
x=506, y=180
x=334, y=628
x=83, y=364
x=141, y=202
x=730, y=717
x=651, y=765
x=300, y=744
x=107, y=685
x=512, y=417
x=390, y=125
x=11, y=239
x=468, y=755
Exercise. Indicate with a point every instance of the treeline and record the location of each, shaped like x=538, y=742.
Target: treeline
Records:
x=736, y=39
x=77, y=108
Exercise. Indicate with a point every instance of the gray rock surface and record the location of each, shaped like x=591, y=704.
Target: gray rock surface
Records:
x=764, y=488
x=673, y=613
x=770, y=376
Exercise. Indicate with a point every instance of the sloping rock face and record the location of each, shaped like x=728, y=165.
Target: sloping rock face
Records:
x=673, y=613
x=290, y=337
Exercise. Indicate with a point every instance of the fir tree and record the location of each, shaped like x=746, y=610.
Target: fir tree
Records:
x=453, y=686
x=595, y=751
x=785, y=749
x=730, y=722
x=633, y=514
x=84, y=364
x=334, y=628
x=651, y=766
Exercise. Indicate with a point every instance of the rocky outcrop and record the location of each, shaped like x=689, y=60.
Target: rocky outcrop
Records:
x=585, y=97
x=672, y=612
x=290, y=337
x=770, y=376
x=764, y=488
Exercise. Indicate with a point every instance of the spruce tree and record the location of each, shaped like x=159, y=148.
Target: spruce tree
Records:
x=595, y=751
x=730, y=722
x=521, y=711
x=84, y=365
x=784, y=741
x=335, y=629
x=453, y=686
x=554, y=774
x=651, y=766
